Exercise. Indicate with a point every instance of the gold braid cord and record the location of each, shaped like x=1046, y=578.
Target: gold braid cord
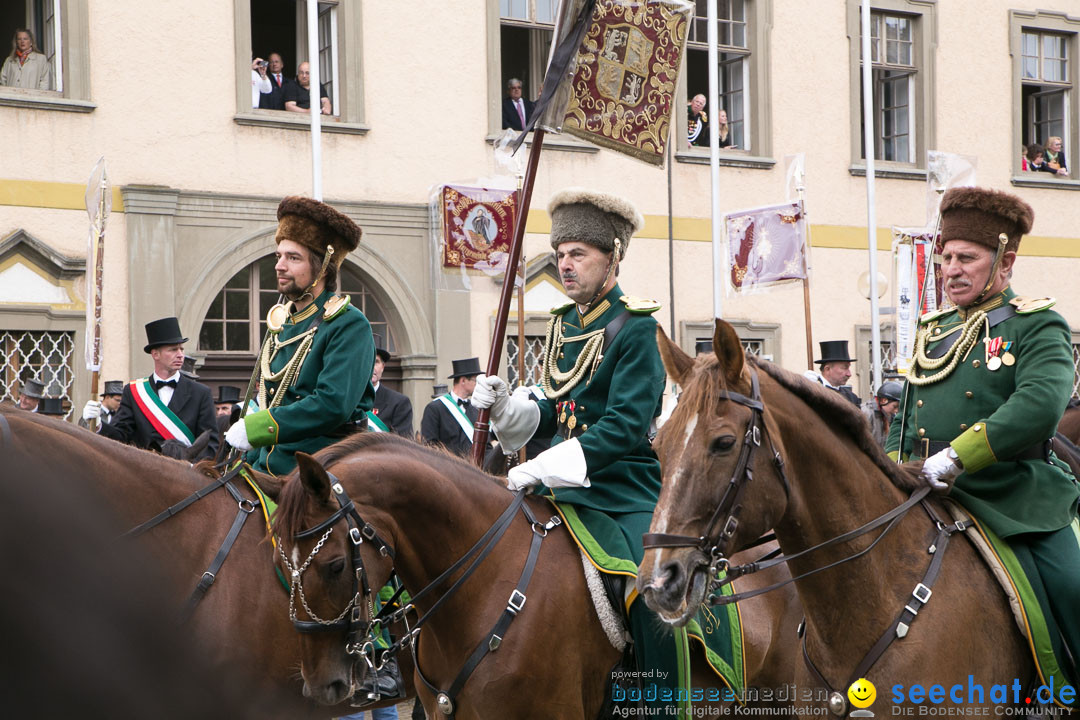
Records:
x=969, y=336
x=588, y=359
x=286, y=375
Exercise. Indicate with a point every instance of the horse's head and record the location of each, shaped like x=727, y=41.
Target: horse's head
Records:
x=335, y=562
x=718, y=442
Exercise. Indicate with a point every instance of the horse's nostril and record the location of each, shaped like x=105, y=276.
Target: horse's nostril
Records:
x=671, y=574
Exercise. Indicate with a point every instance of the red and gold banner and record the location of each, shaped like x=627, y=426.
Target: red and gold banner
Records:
x=627, y=72
x=478, y=224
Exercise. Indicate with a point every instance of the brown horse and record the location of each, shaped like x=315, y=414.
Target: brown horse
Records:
x=430, y=508
x=837, y=479
x=242, y=620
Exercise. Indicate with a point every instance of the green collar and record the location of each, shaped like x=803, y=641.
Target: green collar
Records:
x=315, y=307
x=601, y=307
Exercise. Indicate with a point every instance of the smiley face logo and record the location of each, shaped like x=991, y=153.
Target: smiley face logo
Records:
x=862, y=693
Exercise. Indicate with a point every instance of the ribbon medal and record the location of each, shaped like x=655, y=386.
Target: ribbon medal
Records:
x=1007, y=358
x=993, y=347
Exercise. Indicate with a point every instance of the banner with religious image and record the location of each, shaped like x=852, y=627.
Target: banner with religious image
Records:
x=477, y=226
x=766, y=246
x=913, y=251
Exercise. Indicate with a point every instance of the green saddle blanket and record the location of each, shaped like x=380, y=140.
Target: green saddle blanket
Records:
x=610, y=547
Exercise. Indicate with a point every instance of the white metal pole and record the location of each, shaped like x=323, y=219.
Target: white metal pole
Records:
x=315, y=96
x=714, y=161
x=871, y=215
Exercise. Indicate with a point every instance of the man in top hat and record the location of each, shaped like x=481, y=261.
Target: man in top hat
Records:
x=835, y=369
x=315, y=367
x=225, y=403
x=166, y=411
x=448, y=419
x=989, y=382
x=881, y=409
x=110, y=403
x=603, y=380
x=30, y=395
x=53, y=406
x=392, y=411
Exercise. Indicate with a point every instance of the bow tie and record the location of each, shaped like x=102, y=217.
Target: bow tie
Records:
x=463, y=403
x=158, y=384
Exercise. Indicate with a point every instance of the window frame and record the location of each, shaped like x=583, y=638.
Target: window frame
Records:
x=72, y=69
x=768, y=334
x=921, y=120
x=1044, y=22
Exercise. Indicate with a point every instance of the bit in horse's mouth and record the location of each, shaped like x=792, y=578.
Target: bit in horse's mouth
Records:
x=691, y=600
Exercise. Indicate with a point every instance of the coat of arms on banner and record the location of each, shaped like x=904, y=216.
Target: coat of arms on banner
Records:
x=478, y=224
x=627, y=71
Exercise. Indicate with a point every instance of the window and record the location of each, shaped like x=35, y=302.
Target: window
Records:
x=44, y=356
x=760, y=339
x=901, y=46
x=250, y=293
x=59, y=30
x=534, y=358
x=1046, y=87
x=734, y=59
x=525, y=31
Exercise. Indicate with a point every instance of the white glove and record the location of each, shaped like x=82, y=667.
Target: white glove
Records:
x=492, y=392
x=940, y=469
x=237, y=436
x=561, y=466
x=92, y=410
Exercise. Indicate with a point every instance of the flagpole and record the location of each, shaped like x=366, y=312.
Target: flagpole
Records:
x=315, y=99
x=871, y=216
x=98, y=205
x=714, y=162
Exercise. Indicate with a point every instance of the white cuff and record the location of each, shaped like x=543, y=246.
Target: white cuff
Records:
x=516, y=422
x=563, y=465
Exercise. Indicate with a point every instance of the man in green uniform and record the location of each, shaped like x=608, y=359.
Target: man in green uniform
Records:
x=315, y=367
x=603, y=381
x=988, y=385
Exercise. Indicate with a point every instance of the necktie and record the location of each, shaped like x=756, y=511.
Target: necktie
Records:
x=158, y=384
x=277, y=79
x=521, y=112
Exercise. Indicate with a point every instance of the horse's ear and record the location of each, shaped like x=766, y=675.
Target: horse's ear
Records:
x=729, y=350
x=676, y=362
x=314, y=477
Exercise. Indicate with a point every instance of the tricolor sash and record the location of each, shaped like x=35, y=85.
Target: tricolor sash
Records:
x=374, y=424
x=458, y=414
x=160, y=416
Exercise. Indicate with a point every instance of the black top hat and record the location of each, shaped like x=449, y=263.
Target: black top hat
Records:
x=33, y=389
x=834, y=351
x=228, y=394
x=438, y=391
x=466, y=368
x=188, y=368
x=702, y=347
x=113, y=387
x=165, y=331
x=382, y=353
x=51, y=406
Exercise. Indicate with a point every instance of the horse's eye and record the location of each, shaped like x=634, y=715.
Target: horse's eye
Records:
x=337, y=565
x=722, y=444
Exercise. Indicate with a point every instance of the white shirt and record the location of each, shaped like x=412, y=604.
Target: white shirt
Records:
x=165, y=393
x=259, y=84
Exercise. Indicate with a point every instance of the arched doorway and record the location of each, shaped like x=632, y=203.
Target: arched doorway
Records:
x=235, y=323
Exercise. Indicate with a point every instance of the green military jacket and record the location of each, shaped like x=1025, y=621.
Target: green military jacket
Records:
x=332, y=391
x=613, y=407
x=989, y=416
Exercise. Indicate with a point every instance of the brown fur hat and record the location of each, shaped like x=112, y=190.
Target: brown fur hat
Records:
x=580, y=215
x=980, y=215
x=316, y=226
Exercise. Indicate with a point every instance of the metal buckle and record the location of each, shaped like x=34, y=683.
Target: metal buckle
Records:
x=247, y=506
x=516, y=601
x=209, y=575
x=368, y=531
x=755, y=435
x=730, y=526
x=354, y=535
x=336, y=487
x=923, y=589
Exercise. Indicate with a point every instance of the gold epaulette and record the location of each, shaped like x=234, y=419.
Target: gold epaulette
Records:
x=562, y=309
x=1028, y=305
x=639, y=306
x=933, y=315
x=335, y=306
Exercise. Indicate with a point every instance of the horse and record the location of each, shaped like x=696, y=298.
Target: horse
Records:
x=1069, y=426
x=241, y=621
x=811, y=471
x=424, y=508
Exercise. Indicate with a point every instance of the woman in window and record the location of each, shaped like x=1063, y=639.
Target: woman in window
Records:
x=1055, y=156
x=726, y=139
x=26, y=67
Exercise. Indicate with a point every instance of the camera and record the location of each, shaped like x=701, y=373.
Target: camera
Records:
x=263, y=63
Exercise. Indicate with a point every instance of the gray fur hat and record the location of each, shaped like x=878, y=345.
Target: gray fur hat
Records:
x=580, y=215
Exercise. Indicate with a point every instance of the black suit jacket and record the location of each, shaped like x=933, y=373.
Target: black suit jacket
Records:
x=275, y=99
x=510, y=114
x=395, y=410
x=192, y=402
x=439, y=427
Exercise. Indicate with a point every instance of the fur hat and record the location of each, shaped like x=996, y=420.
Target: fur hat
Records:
x=580, y=215
x=316, y=226
x=980, y=215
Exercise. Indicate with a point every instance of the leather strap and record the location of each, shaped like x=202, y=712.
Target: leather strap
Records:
x=612, y=330
x=994, y=317
x=174, y=509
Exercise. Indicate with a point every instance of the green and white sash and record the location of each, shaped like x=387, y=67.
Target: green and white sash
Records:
x=167, y=424
x=458, y=414
x=374, y=424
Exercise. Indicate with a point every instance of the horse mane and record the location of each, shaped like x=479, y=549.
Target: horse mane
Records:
x=839, y=413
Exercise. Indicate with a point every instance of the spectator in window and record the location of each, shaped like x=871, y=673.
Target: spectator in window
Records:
x=275, y=99
x=1034, y=160
x=259, y=82
x=516, y=110
x=1024, y=158
x=298, y=94
x=1055, y=156
x=697, y=134
x=26, y=67
x=727, y=140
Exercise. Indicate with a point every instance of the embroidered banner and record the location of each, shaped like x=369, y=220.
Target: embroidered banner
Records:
x=627, y=72
x=478, y=224
x=913, y=251
x=766, y=246
x=160, y=416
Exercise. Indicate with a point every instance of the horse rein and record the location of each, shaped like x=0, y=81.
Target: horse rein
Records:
x=360, y=636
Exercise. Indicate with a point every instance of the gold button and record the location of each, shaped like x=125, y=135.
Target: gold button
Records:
x=922, y=431
x=975, y=363
x=963, y=426
x=976, y=428
x=270, y=428
x=918, y=404
x=937, y=331
x=581, y=407
x=272, y=391
x=969, y=394
x=584, y=428
x=561, y=356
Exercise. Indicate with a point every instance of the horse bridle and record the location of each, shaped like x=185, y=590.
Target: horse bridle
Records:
x=724, y=522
